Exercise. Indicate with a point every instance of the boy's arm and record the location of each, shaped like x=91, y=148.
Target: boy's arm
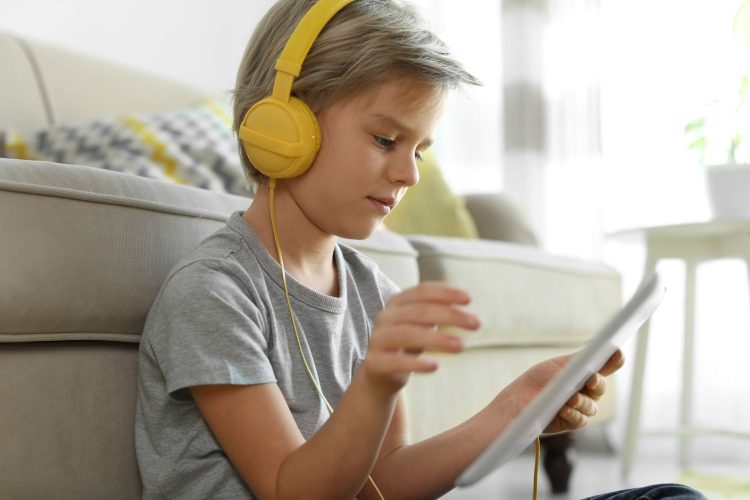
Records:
x=255, y=428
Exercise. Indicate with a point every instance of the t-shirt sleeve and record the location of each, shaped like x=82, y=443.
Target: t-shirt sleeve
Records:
x=207, y=329
x=387, y=286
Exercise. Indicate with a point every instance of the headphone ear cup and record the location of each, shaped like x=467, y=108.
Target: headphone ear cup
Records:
x=280, y=138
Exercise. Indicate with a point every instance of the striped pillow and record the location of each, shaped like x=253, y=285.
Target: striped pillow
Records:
x=192, y=146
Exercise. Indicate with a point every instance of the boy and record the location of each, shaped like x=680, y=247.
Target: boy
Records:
x=248, y=348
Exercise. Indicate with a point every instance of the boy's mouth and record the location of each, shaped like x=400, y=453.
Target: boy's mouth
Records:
x=384, y=205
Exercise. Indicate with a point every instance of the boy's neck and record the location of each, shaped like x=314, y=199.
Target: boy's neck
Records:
x=308, y=252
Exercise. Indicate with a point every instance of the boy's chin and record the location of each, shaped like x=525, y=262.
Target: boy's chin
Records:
x=361, y=232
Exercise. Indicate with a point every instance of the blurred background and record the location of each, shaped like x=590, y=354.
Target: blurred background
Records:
x=592, y=117
x=581, y=114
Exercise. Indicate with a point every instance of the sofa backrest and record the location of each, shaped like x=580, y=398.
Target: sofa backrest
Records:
x=83, y=253
x=45, y=85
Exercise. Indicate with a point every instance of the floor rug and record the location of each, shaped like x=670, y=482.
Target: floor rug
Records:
x=717, y=487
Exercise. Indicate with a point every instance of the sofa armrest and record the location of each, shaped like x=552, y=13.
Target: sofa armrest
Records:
x=498, y=218
x=532, y=305
x=523, y=295
x=392, y=253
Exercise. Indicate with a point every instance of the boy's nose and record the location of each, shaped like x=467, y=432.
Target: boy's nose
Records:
x=404, y=171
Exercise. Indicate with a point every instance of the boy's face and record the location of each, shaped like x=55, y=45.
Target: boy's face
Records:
x=367, y=157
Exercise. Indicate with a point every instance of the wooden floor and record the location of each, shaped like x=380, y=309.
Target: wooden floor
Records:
x=598, y=470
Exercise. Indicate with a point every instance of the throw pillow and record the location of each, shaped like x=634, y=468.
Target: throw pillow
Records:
x=193, y=146
x=431, y=207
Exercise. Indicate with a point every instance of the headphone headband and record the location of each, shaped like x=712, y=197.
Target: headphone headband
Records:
x=280, y=134
x=290, y=61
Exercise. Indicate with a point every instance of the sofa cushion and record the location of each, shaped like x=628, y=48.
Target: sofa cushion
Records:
x=431, y=207
x=192, y=146
x=67, y=420
x=498, y=217
x=86, y=249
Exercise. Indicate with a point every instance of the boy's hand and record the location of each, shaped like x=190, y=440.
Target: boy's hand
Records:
x=579, y=408
x=406, y=328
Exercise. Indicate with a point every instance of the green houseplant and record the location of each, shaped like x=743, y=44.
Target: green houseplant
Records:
x=721, y=138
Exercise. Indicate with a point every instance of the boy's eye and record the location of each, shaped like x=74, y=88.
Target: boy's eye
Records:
x=384, y=142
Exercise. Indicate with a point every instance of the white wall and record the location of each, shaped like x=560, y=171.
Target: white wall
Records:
x=191, y=40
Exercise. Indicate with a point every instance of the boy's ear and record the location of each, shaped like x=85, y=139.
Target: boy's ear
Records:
x=280, y=134
x=281, y=138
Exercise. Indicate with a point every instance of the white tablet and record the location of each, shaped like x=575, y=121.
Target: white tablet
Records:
x=532, y=421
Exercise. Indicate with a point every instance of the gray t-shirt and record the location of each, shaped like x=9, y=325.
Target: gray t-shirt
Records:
x=221, y=318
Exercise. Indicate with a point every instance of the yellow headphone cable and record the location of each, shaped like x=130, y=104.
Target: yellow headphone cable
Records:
x=272, y=190
x=537, y=453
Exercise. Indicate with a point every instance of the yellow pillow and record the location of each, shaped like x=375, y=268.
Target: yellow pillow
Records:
x=431, y=207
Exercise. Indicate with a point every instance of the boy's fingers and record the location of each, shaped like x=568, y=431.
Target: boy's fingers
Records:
x=596, y=386
x=415, y=339
x=614, y=363
x=429, y=314
x=432, y=291
x=387, y=363
x=583, y=404
x=573, y=417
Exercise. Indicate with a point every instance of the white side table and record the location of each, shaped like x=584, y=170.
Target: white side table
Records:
x=692, y=243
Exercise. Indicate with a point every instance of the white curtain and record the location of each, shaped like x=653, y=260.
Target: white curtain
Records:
x=468, y=141
x=552, y=119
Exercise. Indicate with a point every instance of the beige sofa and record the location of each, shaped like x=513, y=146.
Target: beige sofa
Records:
x=83, y=252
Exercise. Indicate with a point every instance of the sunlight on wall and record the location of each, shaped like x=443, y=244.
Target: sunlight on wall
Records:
x=193, y=41
x=665, y=60
x=469, y=138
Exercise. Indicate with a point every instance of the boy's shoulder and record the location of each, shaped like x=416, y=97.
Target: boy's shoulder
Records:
x=217, y=263
x=215, y=252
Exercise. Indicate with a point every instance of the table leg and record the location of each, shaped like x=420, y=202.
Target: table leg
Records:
x=558, y=456
x=632, y=427
x=688, y=365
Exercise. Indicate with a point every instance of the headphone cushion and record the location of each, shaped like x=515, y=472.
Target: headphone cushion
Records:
x=280, y=138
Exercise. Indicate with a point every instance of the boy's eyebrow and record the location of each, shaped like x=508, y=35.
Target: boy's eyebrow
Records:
x=393, y=122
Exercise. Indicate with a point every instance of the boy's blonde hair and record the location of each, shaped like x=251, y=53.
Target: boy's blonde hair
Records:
x=366, y=44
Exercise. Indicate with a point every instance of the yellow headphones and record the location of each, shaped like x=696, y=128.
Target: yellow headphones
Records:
x=280, y=133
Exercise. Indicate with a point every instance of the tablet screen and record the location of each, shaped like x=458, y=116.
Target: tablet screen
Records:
x=532, y=421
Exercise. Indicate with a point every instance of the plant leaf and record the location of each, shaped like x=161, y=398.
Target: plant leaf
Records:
x=699, y=143
x=695, y=125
